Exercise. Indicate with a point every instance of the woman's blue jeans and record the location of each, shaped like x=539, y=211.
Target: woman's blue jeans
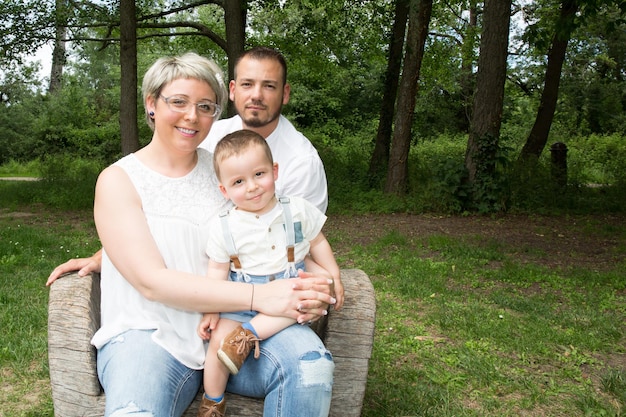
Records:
x=294, y=373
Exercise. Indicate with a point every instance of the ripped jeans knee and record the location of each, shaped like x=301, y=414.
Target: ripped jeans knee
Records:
x=316, y=368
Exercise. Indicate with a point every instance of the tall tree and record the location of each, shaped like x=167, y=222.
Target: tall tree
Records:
x=419, y=19
x=59, y=51
x=235, y=21
x=466, y=79
x=486, y=119
x=380, y=155
x=129, y=130
x=538, y=137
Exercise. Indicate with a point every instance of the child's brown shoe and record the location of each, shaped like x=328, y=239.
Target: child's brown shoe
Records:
x=209, y=408
x=236, y=347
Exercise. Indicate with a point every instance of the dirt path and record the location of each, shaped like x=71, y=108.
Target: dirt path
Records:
x=593, y=242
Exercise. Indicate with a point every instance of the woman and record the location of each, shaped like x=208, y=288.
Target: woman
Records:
x=152, y=210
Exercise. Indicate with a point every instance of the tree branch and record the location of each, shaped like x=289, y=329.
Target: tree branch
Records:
x=445, y=35
x=180, y=9
x=202, y=30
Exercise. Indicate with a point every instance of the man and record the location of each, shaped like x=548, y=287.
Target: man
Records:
x=259, y=91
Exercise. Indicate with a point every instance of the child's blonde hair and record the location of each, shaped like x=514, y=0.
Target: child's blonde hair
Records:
x=237, y=142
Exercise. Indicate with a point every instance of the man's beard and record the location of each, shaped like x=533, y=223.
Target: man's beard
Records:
x=255, y=121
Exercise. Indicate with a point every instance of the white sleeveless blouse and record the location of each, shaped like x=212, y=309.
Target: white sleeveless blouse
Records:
x=178, y=211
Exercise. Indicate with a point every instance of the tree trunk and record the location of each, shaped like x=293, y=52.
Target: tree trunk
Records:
x=538, y=137
x=128, y=81
x=235, y=21
x=419, y=19
x=466, y=80
x=380, y=156
x=58, y=53
x=489, y=96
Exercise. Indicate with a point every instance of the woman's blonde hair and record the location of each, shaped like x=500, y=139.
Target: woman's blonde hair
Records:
x=190, y=65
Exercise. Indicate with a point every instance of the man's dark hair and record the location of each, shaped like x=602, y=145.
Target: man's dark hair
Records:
x=264, y=52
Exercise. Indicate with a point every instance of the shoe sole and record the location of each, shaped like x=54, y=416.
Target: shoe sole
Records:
x=232, y=368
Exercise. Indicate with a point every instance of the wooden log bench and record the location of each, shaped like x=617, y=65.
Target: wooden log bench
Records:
x=74, y=316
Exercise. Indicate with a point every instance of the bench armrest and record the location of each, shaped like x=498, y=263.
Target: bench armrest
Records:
x=73, y=318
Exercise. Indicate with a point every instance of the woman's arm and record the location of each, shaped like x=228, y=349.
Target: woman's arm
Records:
x=125, y=235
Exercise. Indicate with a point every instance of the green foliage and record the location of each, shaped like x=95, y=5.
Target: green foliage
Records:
x=437, y=171
x=15, y=141
x=435, y=165
x=596, y=182
x=25, y=27
x=21, y=103
x=17, y=169
x=599, y=158
x=336, y=93
x=439, y=112
x=81, y=119
x=490, y=189
x=591, y=91
x=81, y=123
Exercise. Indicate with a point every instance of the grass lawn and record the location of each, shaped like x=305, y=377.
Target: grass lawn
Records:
x=493, y=316
x=32, y=242
x=476, y=316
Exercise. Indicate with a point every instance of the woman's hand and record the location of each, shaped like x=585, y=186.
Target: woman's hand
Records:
x=84, y=266
x=303, y=299
x=313, y=310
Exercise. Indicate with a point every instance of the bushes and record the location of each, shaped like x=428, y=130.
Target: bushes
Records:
x=596, y=181
x=66, y=183
x=70, y=181
x=599, y=159
x=436, y=172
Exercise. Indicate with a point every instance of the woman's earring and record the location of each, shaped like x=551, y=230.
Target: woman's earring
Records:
x=151, y=114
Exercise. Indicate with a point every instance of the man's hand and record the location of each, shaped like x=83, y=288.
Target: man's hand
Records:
x=84, y=266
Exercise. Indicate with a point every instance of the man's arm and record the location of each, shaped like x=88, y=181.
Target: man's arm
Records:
x=322, y=254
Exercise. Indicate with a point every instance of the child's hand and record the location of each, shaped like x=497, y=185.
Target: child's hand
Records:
x=336, y=290
x=207, y=325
